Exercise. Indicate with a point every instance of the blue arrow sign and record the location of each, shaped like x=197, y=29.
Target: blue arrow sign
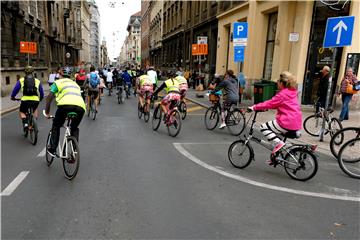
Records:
x=339, y=31
x=239, y=53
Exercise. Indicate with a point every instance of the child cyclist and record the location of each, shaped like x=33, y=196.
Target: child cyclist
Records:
x=288, y=117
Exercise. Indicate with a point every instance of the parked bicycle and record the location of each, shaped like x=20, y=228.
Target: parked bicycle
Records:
x=235, y=119
x=141, y=109
x=298, y=160
x=31, y=131
x=68, y=151
x=172, y=119
x=313, y=124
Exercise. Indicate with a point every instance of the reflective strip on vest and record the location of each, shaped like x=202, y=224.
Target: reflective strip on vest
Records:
x=68, y=93
x=171, y=86
x=30, y=98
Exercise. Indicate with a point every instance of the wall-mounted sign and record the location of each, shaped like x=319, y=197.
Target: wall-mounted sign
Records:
x=28, y=47
x=294, y=37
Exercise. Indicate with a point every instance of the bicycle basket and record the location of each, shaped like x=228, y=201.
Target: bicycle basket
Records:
x=213, y=98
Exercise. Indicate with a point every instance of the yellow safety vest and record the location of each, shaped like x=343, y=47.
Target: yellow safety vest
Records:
x=144, y=80
x=181, y=79
x=172, y=85
x=30, y=98
x=68, y=93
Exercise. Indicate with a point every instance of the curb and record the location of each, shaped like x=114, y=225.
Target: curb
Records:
x=197, y=102
x=9, y=110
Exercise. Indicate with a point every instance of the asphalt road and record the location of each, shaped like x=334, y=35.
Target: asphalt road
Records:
x=137, y=183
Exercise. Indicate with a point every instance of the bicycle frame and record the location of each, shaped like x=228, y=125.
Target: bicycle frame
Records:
x=64, y=144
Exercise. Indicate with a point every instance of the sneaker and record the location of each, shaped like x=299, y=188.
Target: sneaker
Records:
x=222, y=125
x=278, y=147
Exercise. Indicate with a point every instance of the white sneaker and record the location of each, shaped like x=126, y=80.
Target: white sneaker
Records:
x=222, y=125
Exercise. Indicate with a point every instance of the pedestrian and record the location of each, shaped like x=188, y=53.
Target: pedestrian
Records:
x=187, y=76
x=242, y=83
x=323, y=88
x=347, y=92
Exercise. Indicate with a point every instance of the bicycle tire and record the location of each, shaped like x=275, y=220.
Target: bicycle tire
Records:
x=89, y=108
x=48, y=157
x=146, y=114
x=211, y=114
x=242, y=146
x=156, y=119
x=293, y=172
x=175, y=121
x=119, y=97
x=74, y=154
x=139, y=111
x=334, y=126
x=33, y=132
x=183, y=109
x=353, y=172
x=338, y=139
x=310, y=122
x=235, y=122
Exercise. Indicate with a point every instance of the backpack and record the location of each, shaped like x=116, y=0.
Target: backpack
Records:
x=29, y=86
x=94, y=80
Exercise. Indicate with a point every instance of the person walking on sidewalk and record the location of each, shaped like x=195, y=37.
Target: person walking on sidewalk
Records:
x=288, y=116
x=32, y=92
x=323, y=88
x=346, y=96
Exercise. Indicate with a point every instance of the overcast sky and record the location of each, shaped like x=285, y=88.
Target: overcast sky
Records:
x=113, y=22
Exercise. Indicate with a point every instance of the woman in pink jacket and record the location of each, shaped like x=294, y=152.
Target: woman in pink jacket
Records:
x=288, y=116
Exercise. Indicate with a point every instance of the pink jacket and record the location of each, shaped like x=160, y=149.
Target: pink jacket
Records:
x=288, y=114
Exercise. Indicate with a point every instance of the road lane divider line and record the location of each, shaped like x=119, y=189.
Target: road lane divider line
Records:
x=193, y=109
x=14, y=184
x=42, y=153
x=196, y=160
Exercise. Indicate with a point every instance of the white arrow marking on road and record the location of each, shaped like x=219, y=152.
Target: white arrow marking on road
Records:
x=42, y=153
x=14, y=184
x=341, y=25
x=196, y=160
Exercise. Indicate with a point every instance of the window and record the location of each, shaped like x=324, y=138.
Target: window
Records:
x=270, y=44
x=7, y=80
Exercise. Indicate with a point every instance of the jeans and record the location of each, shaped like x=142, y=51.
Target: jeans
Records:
x=344, y=115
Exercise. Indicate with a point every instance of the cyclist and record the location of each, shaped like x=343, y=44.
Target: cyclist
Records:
x=127, y=79
x=230, y=94
x=171, y=87
x=288, y=117
x=144, y=84
x=68, y=99
x=153, y=76
x=80, y=79
x=183, y=86
x=32, y=92
x=92, y=84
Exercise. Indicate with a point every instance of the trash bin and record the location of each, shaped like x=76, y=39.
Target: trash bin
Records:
x=264, y=90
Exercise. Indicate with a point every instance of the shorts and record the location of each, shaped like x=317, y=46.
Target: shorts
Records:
x=146, y=88
x=25, y=105
x=170, y=97
x=94, y=92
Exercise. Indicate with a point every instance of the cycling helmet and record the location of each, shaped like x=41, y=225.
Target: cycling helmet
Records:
x=29, y=69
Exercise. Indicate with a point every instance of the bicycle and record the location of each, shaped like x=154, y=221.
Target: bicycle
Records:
x=348, y=158
x=92, y=111
x=172, y=119
x=298, y=160
x=119, y=93
x=182, y=109
x=32, y=130
x=141, y=109
x=68, y=151
x=127, y=91
x=313, y=123
x=341, y=137
x=235, y=119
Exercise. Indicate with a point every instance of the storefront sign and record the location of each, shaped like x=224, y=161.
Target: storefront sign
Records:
x=28, y=47
x=202, y=40
x=199, y=49
x=294, y=37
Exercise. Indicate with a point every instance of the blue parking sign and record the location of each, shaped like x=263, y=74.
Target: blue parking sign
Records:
x=339, y=31
x=239, y=53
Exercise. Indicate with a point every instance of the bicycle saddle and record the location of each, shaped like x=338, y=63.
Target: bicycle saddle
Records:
x=292, y=134
x=71, y=114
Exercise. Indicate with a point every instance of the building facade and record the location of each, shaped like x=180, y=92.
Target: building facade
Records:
x=53, y=25
x=145, y=37
x=269, y=51
x=156, y=32
x=104, y=59
x=85, y=33
x=133, y=42
x=94, y=34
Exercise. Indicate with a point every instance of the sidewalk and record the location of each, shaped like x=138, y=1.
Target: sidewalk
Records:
x=7, y=105
x=323, y=147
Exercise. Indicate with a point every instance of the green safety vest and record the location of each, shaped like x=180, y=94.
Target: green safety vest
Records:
x=68, y=93
x=30, y=98
x=145, y=80
x=181, y=79
x=172, y=85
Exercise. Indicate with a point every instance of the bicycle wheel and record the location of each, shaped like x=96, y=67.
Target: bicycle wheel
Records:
x=156, y=119
x=72, y=161
x=348, y=158
x=174, y=123
x=146, y=114
x=341, y=137
x=89, y=108
x=312, y=125
x=33, y=131
x=140, y=112
x=300, y=164
x=235, y=122
x=334, y=126
x=49, y=158
x=93, y=110
x=240, y=154
x=183, y=109
x=211, y=118
x=120, y=97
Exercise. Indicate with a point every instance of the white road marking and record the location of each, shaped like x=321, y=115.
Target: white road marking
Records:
x=14, y=184
x=196, y=160
x=42, y=153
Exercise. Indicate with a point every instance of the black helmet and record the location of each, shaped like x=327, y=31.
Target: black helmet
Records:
x=29, y=69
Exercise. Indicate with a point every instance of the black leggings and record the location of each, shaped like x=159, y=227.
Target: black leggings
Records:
x=59, y=120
